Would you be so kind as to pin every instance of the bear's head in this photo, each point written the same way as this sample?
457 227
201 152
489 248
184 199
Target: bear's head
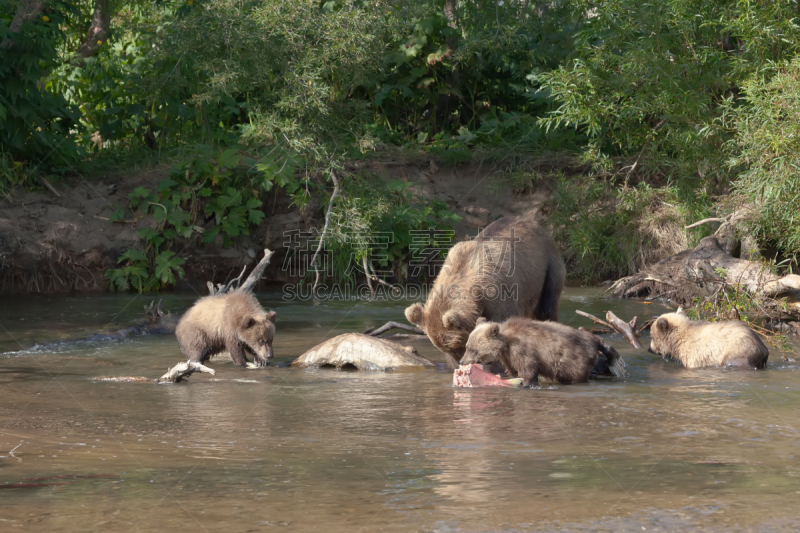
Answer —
661 332
257 332
448 331
485 344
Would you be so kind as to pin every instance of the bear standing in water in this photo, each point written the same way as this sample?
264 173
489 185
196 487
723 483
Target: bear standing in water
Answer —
233 322
700 344
512 268
529 349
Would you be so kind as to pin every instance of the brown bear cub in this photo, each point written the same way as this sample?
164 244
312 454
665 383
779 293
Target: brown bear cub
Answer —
233 322
529 349
699 344
513 268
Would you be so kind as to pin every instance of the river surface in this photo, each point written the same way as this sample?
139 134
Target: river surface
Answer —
666 449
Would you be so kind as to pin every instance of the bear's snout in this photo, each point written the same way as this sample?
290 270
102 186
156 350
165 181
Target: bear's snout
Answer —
649 349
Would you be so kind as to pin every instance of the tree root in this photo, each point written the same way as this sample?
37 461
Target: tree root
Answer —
712 266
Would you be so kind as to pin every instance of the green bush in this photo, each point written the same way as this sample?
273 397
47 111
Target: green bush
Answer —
610 232
376 220
211 195
766 152
35 122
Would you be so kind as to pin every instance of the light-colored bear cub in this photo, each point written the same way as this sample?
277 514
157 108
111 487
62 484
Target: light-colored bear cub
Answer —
699 344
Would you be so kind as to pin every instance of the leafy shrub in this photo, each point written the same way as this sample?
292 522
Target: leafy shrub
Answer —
651 78
766 151
608 232
35 122
376 220
211 194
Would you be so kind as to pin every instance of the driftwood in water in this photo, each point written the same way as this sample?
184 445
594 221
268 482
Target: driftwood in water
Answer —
614 323
362 352
374 332
249 283
183 370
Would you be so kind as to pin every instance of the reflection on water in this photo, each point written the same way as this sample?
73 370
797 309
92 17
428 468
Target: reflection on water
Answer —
665 449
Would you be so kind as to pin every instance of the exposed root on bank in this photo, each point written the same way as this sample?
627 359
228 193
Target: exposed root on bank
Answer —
721 274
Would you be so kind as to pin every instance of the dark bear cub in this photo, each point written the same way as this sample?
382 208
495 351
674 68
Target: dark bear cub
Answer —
529 349
233 322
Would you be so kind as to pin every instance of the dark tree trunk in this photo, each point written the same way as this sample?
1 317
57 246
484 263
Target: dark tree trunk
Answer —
26 10
99 31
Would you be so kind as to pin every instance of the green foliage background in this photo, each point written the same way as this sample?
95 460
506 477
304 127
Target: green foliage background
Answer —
676 109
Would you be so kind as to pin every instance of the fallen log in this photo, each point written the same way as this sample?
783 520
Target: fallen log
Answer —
708 269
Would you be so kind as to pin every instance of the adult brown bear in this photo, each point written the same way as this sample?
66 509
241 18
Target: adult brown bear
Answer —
233 322
699 344
512 268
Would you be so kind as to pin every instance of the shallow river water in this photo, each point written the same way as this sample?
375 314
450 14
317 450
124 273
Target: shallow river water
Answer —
248 450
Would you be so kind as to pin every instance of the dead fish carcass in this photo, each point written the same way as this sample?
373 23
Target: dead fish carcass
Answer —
356 350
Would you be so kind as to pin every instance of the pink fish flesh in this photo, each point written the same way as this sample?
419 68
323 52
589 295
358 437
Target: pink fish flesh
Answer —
475 376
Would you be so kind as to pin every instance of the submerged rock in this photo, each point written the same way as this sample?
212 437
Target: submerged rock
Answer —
362 352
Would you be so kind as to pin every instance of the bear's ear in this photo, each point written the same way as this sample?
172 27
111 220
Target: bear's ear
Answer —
451 320
494 330
415 315
271 316
248 322
481 320
680 311
662 324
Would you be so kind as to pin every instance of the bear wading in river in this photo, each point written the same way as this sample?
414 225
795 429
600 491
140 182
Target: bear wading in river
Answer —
699 344
529 349
233 322
512 268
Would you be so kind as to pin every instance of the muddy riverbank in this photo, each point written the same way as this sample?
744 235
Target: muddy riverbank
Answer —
64 244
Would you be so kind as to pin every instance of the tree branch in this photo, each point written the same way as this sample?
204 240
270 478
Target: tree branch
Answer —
184 370
614 323
705 221
324 230
393 325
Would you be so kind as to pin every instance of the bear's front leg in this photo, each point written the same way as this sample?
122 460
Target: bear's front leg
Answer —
529 379
238 354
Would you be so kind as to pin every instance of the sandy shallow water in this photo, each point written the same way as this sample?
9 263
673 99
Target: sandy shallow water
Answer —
665 449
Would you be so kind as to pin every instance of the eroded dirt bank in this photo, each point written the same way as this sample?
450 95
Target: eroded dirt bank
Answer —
66 243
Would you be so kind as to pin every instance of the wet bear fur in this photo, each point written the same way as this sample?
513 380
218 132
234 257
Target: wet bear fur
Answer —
529 349
234 322
466 288
699 344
